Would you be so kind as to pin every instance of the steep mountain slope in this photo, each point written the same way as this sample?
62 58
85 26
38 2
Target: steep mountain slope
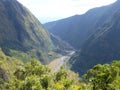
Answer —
62 47
76 29
102 47
20 30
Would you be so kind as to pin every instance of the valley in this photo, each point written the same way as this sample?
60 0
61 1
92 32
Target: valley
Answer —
56 64
94 34
81 52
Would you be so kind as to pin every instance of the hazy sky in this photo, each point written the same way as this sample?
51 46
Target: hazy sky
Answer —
50 10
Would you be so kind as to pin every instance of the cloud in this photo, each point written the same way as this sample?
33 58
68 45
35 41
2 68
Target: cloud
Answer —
47 10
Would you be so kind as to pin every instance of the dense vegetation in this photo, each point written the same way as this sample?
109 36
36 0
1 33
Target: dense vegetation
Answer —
35 76
23 39
104 77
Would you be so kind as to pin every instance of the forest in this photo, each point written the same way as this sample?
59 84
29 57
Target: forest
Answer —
35 76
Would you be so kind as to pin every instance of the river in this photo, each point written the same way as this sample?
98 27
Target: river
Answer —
63 60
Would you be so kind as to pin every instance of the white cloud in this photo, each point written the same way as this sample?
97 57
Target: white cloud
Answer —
47 10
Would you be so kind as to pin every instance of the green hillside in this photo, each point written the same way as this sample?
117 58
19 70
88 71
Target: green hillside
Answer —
21 31
14 75
76 29
25 46
8 65
102 47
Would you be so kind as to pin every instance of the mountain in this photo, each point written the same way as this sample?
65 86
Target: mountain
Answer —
62 47
103 46
21 31
76 29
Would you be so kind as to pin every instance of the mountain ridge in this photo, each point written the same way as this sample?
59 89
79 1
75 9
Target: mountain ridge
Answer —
92 35
20 30
102 46
69 27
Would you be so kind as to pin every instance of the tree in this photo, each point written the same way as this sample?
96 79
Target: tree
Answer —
103 76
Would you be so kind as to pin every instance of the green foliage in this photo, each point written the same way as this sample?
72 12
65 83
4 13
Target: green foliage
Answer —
104 77
35 76
62 74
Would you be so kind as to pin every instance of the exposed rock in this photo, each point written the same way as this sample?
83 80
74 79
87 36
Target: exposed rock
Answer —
3 75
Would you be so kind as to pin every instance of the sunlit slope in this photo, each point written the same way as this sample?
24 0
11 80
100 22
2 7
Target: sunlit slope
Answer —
20 30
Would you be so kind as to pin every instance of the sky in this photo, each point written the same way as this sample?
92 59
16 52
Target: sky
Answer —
51 10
